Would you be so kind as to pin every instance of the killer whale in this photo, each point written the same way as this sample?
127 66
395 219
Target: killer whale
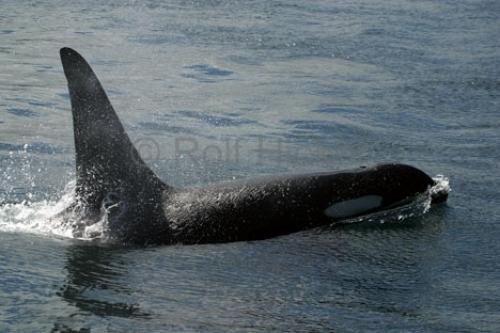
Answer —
112 181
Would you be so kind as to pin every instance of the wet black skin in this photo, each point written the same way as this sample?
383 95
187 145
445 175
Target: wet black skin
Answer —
112 179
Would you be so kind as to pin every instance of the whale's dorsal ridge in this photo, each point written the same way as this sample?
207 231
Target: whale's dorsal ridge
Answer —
106 160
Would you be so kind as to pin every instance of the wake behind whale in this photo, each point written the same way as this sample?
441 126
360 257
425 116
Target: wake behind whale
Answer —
117 197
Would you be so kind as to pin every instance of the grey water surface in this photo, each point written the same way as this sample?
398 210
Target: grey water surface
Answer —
220 90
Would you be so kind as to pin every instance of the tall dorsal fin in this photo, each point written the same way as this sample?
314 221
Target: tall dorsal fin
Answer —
106 160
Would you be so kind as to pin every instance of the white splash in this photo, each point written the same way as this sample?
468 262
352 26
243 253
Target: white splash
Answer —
37 217
50 218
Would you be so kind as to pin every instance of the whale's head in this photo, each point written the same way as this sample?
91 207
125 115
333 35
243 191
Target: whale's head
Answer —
377 188
401 181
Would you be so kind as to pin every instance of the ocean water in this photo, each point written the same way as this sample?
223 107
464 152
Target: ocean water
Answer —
221 90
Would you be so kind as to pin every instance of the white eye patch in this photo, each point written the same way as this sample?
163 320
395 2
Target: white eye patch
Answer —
353 207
